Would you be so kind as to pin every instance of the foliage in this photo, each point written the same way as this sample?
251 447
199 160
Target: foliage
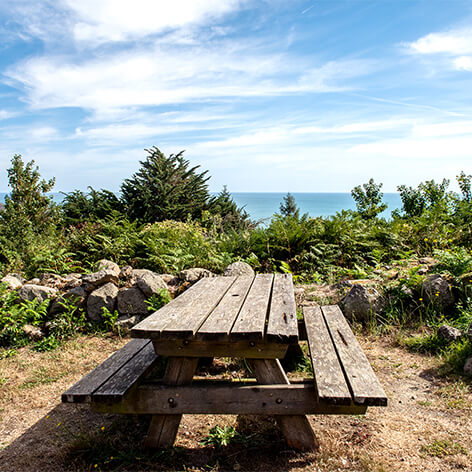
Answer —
288 207
224 214
78 206
165 188
368 199
158 301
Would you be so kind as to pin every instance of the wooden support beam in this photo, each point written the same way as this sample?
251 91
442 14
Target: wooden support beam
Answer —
163 428
295 428
229 398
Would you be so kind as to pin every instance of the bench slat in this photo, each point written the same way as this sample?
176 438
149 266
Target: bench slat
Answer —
364 385
220 321
250 323
124 379
329 377
194 314
153 325
282 325
83 389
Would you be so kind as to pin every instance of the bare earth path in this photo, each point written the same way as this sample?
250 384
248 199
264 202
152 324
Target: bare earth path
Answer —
426 427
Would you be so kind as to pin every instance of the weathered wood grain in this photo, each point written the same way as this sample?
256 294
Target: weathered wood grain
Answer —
282 325
83 389
192 315
364 385
251 321
295 428
163 428
153 325
233 398
329 377
197 348
220 321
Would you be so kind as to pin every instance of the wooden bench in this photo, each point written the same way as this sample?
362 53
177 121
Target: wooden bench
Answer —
343 380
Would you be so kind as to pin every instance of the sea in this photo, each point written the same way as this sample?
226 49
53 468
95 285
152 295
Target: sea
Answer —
261 206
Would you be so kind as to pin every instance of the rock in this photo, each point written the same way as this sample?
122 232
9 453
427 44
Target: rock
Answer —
127 322
30 292
449 333
131 301
105 264
422 271
169 279
33 332
126 272
361 302
195 274
58 282
427 260
469 332
34 281
299 294
75 296
437 289
102 277
468 366
103 297
150 284
11 281
239 268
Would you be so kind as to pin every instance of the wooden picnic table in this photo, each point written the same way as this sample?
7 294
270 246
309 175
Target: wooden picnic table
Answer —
250 317
246 317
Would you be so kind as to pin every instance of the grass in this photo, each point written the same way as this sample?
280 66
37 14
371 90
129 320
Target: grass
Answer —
443 447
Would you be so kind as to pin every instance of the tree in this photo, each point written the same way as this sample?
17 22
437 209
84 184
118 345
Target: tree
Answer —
165 188
368 199
78 206
226 208
27 209
288 207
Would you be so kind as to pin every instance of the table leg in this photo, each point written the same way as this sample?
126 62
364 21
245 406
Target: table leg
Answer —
296 428
163 428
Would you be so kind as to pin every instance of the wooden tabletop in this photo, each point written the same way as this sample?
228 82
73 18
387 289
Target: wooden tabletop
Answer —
260 308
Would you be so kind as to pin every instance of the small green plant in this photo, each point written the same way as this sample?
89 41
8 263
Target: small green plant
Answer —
443 447
108 320
158 300
220 436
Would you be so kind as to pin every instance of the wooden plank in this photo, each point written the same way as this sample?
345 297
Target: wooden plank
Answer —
125 378
229 398
152 326
83 389
364 385
282 325
295 428
192 315
163 428
251 321
327 371
197 348
220 321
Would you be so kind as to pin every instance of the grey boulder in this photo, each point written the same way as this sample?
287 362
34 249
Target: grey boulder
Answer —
449 333
361 303
438 290
75 296
195 274
239 268
12 281
102 277
33 332
131 301
150 284
105 264
103 297
30 292
468 366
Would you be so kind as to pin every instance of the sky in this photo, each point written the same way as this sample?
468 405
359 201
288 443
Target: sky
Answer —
267 95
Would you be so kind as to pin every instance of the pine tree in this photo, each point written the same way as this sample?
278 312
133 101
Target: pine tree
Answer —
165 188
288 207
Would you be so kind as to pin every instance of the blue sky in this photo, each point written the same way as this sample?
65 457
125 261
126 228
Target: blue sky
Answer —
299 96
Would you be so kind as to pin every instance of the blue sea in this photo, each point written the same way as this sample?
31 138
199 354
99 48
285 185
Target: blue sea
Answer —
263 205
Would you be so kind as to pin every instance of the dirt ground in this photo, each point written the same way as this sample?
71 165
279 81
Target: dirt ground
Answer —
426 427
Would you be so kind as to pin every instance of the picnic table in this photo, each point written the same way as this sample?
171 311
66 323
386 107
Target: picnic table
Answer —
254 318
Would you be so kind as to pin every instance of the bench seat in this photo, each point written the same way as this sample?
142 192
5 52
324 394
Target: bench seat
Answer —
116 376
341 371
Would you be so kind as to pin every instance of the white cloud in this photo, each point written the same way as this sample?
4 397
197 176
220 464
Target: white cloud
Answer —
454 44
118 20
5 114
